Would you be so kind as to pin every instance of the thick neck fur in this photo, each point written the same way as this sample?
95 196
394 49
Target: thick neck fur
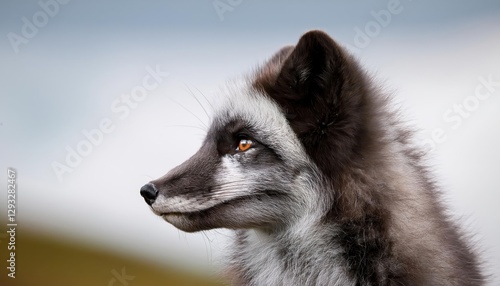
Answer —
305 257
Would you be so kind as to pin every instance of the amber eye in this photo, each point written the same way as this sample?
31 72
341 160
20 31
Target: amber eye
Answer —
244 144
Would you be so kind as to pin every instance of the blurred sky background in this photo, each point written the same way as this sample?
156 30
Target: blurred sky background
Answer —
82 56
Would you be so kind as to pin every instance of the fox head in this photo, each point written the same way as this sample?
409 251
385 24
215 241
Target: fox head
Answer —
275 146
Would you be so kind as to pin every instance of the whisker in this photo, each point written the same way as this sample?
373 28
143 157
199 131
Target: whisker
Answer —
207 245
187 126
222 233
192 113
149 177
206 99
221 194
197 100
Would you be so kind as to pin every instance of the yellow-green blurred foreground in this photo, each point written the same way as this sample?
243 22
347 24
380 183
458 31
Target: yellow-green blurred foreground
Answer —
47 261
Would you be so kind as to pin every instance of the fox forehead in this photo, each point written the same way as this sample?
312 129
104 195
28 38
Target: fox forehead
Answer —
240 102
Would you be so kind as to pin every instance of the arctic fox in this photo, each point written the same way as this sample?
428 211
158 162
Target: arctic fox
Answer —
320 180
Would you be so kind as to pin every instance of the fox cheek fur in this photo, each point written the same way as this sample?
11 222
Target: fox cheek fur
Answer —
331 191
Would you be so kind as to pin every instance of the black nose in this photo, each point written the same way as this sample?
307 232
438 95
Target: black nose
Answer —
149 193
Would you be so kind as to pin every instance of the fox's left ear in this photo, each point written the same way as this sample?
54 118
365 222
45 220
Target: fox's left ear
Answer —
313 67
316 75
321 91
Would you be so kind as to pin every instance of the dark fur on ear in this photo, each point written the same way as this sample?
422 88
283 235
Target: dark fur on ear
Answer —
321 91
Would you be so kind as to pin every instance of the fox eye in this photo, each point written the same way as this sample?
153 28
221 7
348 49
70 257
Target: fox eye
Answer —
244 145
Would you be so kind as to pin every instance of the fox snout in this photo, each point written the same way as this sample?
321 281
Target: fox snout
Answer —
185 187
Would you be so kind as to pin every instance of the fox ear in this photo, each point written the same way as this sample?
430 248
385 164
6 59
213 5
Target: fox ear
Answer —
321 91
312 69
